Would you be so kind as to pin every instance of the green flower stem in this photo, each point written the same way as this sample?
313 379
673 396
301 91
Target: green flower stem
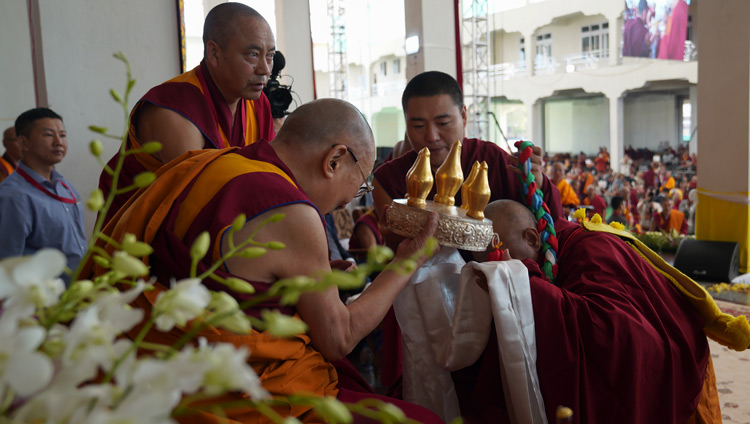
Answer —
7 401
116 173
136 343
236 249
266 410
155 346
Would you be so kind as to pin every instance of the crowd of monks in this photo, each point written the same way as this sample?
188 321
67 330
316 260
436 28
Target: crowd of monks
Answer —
617 342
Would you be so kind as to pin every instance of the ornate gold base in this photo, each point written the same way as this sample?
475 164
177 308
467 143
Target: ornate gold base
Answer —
455 229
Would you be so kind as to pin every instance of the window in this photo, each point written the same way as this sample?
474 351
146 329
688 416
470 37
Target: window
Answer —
384 68
544 46
523 52
397 66
595 40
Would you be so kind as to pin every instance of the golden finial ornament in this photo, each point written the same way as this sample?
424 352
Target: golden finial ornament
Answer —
419 180
467 183
478 193
449 176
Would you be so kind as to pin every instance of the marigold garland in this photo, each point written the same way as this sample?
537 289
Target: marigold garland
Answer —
533 199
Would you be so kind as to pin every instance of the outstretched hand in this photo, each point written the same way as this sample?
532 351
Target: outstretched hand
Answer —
408 247
536 165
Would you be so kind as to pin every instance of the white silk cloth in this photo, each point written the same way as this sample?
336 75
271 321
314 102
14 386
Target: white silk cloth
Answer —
445 320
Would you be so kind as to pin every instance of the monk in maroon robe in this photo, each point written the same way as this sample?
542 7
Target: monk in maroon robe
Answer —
305 170
616 341
435 118
218 104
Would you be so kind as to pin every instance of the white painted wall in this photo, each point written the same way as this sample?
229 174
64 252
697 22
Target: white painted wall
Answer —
650 119
17 88
78 39
576 125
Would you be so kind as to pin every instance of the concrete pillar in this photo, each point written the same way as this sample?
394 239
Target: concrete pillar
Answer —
616 130
433 22
294 40
724 135
615 38
535 122
693 147
530 46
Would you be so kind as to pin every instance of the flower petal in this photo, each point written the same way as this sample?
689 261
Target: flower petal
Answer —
28 373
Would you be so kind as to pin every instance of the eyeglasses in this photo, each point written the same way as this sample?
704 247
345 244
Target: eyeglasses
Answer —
366 187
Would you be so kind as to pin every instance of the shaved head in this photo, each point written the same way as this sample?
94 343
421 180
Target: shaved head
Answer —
326 122
220 24
513 222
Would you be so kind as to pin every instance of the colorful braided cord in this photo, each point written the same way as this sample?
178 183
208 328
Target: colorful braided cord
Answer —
533 198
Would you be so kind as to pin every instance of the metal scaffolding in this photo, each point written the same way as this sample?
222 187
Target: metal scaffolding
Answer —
476 64
337 50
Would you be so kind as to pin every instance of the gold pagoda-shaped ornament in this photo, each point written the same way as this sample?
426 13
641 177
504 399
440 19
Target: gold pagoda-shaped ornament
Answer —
467 183
449 176
457 227
419 180
478 193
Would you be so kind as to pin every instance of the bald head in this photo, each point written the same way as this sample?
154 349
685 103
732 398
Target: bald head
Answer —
221 22
558 172
325 122
12 145
515 225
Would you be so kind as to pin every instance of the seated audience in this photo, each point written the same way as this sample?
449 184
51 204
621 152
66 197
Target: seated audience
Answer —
38 207
668 219
9 159
318 162
619 209
568 197
593 199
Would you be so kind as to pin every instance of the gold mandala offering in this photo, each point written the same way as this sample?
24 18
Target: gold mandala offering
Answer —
463 227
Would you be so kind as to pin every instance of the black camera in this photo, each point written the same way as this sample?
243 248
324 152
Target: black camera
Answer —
280 96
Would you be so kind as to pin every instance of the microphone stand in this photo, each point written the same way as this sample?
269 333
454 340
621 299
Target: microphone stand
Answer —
497 124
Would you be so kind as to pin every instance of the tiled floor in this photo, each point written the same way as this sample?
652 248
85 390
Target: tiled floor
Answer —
732 374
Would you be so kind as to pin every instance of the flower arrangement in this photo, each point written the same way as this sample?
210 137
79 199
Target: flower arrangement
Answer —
659 241
64 356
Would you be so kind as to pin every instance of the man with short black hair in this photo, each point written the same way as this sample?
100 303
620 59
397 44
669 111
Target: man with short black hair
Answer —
38 207
218 104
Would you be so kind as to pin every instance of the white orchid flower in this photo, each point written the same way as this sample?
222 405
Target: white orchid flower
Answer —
228 370
186 300
90 343
31 282
23 369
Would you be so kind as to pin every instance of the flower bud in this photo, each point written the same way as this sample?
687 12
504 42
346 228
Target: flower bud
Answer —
101 261
277 217
115 95
239 222
251 252
276 245
222 302
144 178
96 201
239 285
98 129
281 325
393 413
128 265
79 289
200 246
333 410
95 147
151 147
430 245
409 265
379 254
134 247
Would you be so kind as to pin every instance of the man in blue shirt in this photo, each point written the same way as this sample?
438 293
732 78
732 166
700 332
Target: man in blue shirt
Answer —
38 207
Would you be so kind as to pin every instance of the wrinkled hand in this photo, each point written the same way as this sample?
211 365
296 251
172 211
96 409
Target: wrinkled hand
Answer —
536 165
409 247
343 265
